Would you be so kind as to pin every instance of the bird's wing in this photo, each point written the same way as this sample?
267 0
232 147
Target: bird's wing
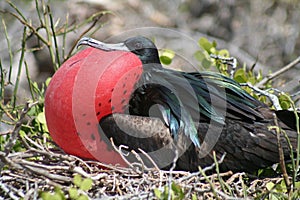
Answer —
159 97
185 99
239 104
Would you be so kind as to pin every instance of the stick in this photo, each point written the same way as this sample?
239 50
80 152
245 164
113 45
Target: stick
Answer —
277 73
281 156
273 98
15 133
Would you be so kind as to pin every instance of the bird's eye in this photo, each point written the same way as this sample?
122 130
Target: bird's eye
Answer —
138 45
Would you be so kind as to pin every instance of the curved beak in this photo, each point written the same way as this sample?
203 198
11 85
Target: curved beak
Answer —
101 45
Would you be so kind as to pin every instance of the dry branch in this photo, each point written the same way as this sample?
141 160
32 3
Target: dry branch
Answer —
279 72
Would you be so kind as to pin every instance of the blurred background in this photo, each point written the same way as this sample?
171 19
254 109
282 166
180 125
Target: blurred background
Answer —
254 31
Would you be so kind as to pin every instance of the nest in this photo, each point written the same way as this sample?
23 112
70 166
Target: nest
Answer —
38 169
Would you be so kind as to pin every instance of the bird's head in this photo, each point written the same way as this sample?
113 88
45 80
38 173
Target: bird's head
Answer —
141 46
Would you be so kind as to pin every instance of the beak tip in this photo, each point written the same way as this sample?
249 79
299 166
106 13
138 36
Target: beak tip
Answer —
83 41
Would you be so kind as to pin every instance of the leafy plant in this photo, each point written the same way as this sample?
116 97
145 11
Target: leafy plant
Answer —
166 56
58 194
203 56
27 130
176 192
240 75
76 192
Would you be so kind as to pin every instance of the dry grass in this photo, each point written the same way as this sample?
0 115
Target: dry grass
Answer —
26 174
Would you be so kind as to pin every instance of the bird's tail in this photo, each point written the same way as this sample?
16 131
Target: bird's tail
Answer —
289 118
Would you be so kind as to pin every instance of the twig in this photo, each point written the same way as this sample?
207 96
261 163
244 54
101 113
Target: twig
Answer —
228 61
295 94
170 175
140 162
212 187
32 142
205 169
281 155
8 191
52 26
121 153
277 73
273 98
8 161
234 176
5 133
118 169
46 173
218 171
297 123
15 132
96 17
149 158
26 24
10 58
214 164
6 112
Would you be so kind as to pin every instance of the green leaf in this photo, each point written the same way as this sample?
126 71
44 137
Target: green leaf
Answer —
165 193
206 64
261 98
270 186
275 197
194 197
32 111
199 55
57 196
73 193
177 190
22 133
86 184
214 44
35 86
224 53
240 76
297 184
259 75
281 187
252 80
157 193
284 105
41 118
59 193
47 81
284 102
82 197
46 195
205 44
167 56
168 53
165 60
77 180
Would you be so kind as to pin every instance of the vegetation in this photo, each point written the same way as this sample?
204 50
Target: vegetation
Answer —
32 166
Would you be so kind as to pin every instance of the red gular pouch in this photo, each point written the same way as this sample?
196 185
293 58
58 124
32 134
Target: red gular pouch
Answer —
90 85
